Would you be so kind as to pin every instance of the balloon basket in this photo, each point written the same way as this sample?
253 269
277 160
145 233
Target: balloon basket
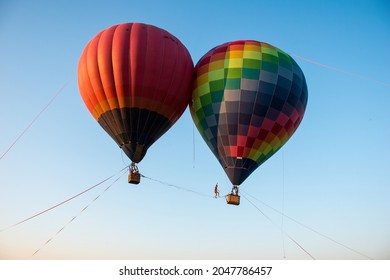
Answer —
233 199
134 178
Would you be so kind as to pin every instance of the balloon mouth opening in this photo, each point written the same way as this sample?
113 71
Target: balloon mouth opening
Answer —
238 169
134 151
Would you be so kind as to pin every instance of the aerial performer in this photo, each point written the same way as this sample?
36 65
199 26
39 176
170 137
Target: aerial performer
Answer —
135 79
248 99
216 191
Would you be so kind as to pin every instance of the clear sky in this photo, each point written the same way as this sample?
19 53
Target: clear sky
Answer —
332 176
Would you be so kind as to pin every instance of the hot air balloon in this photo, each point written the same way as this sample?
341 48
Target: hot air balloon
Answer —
248 99
135 80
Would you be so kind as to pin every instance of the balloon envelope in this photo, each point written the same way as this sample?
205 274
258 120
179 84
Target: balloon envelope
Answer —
135 80
248 99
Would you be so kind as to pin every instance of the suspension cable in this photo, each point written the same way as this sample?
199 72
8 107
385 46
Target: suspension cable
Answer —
61 203
35 119
340 70
176 186
74 218
311 229
279 212
283 200
272 222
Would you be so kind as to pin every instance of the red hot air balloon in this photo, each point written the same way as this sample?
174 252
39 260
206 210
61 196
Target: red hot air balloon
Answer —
135 80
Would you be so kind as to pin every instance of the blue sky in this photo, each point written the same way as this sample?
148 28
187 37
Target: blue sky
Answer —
331 176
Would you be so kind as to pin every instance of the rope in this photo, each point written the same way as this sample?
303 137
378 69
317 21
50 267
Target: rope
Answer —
279 212
177 187
341 71
283 200
193 145
74 218
34 119
269 219
123 160
61 203
311 229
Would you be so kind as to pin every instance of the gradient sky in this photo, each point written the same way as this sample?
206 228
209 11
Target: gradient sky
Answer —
332 175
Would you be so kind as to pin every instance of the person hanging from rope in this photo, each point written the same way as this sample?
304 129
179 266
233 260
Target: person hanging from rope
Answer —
216 191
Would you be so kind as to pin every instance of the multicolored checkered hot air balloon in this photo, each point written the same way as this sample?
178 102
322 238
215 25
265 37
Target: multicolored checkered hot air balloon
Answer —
136 81
248 99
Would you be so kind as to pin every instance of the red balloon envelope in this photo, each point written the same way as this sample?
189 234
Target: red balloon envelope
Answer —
135 79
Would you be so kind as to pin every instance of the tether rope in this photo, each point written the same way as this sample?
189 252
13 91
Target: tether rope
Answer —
177 187
74 218
269 219
35 119
311 229
61 203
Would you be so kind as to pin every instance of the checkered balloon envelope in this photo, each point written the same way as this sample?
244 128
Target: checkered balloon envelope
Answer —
248 99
